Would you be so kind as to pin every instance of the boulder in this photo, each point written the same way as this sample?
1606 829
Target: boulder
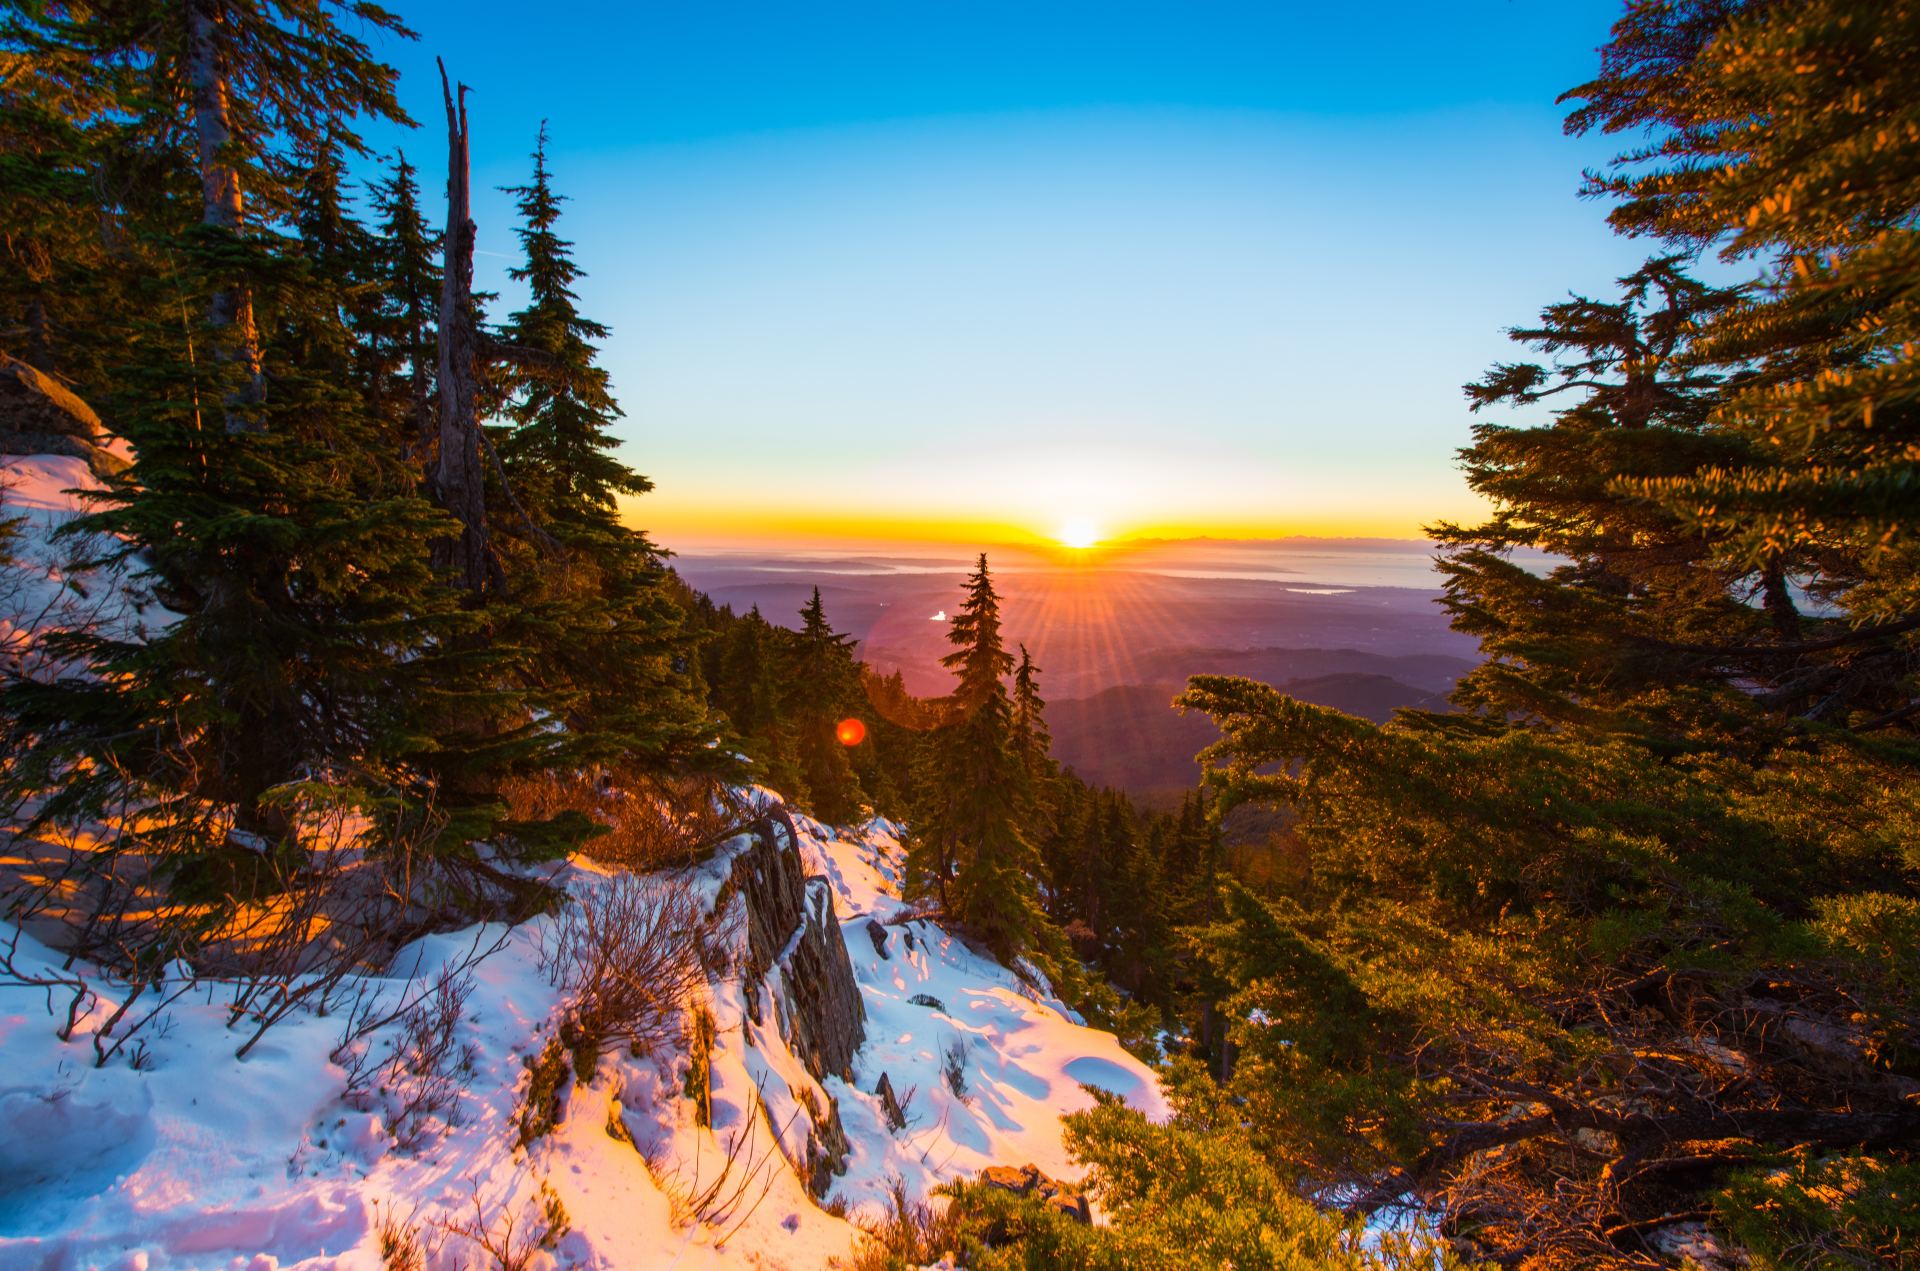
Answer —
41 416
827 1147
33 402
1028 1180
792 932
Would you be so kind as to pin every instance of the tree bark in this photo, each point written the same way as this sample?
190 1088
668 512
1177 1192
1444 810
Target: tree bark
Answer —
1778 601
458 481
221 206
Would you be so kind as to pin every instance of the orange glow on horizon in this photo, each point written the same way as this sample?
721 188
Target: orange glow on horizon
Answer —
752 527
845 523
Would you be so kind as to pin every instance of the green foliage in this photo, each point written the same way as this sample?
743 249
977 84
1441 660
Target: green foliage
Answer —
823 685
1192 1193
590 594
401 329
1833 1212
784 694
261 504
970 847
546 1084
1773 137
1482 907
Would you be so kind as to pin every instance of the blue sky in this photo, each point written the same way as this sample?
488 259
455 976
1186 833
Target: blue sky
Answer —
976 270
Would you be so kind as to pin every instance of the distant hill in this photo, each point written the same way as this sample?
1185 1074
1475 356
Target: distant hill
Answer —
1433 672
1132 738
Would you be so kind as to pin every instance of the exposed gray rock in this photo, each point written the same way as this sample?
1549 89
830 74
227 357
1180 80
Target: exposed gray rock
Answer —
792 931
41 416
890 1104
33 402
827 1146
878 934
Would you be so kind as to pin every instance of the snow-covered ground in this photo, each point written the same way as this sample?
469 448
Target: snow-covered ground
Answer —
47 587
201 1160
1027 1057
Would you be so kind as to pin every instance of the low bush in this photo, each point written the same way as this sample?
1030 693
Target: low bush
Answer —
627 956
645 821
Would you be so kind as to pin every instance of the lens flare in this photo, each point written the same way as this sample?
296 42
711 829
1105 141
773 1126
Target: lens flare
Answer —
851 732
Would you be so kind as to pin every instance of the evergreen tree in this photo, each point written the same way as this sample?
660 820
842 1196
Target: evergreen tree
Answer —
1032 743
1769 140
309 638
1595 636
589 595
67 263
748 689
1062 857
560 450
1677 800
338 247
823 681
406 269
1192 860
970 846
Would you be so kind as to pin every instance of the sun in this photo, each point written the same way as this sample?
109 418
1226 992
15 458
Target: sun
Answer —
1078 533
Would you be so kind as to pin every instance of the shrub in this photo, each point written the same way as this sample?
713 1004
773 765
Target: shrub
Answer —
418 1083
910 1234
953 1066
626 954
645 821
514 1240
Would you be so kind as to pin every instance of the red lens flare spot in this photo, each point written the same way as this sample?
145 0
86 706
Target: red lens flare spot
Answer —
851 732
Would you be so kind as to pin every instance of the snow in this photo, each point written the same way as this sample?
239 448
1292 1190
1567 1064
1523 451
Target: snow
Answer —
192 1158
204 1161
45 589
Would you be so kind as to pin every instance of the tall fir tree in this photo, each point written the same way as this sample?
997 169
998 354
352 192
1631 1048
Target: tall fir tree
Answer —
67 263
822 687
589 594
970 846
560 448
1598 635
406 270
261 504
1767 137
1031 740
747 687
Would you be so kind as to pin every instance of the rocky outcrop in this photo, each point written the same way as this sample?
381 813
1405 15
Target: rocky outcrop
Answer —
827 1147
1029 1181
792 931
39 416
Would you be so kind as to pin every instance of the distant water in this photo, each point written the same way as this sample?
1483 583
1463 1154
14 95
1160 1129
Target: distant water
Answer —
1316 566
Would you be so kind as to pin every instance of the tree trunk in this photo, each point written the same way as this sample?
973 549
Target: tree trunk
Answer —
39 344
458 481
1778 601
425 426
220 206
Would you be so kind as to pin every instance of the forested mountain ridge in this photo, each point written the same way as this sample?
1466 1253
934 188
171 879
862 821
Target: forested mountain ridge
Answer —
1133 738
